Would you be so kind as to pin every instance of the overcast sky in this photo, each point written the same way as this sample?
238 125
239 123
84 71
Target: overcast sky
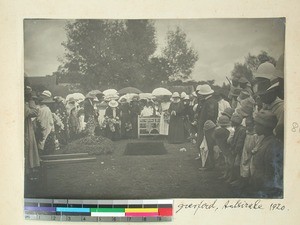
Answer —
219 42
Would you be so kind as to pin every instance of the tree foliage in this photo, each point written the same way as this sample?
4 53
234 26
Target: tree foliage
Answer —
108 53
180 56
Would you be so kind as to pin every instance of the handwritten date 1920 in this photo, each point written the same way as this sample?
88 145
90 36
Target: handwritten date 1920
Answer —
277 206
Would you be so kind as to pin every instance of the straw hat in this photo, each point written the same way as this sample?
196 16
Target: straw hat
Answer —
205 90
113 103
175 95
266 118
209 125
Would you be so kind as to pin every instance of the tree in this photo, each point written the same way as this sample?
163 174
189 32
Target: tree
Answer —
180 56
241 70
108 53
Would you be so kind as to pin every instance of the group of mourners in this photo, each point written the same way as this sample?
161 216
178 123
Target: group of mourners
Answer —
243 131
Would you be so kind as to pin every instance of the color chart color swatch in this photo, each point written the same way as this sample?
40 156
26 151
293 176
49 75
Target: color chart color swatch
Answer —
99 210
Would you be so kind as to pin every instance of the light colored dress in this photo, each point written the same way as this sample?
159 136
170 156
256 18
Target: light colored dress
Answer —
251 141
164 124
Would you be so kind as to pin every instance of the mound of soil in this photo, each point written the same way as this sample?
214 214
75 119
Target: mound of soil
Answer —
95 145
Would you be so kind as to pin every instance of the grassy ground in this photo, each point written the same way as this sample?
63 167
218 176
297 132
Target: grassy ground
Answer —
118 176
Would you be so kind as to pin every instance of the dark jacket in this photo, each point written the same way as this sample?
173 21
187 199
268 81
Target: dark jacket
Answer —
109 112
238 140
88 110
267 164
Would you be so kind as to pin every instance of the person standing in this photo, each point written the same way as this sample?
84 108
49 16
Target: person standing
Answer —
89 114
134 114
32 158
112 115
45 125
273 103
126 126
267 161
165 117
208 109
176 126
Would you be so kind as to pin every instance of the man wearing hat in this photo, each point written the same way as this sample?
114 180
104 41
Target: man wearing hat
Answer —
208 109
245 85
45 124
267 161
176 125
273 103
222 103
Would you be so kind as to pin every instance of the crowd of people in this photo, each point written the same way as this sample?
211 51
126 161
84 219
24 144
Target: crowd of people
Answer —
242 133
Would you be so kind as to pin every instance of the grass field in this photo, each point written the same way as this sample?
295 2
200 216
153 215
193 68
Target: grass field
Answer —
119 176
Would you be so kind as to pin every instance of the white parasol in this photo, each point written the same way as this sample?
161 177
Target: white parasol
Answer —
161 91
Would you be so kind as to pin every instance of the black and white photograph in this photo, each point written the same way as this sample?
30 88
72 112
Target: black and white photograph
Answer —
154 108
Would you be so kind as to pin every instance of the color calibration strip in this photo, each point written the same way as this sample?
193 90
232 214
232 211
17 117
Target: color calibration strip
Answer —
99 210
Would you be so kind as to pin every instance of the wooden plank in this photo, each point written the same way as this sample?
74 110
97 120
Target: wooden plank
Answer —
66 161
62 156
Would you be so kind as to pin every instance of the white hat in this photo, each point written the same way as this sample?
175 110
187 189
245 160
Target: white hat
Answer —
205 90
265 70
175 95
183 94
198 87
113 104
47 93
187 97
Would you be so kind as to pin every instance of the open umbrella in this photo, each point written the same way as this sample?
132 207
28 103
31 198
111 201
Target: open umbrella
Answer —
161 91
127 90
76 96
146 96
110 92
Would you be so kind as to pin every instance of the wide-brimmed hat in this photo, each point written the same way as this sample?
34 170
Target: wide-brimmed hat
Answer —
175 95
46 94
209 125
228 112
46 97
205 90
183 94
224 121
113 103
243 95
236 118
187 97
266 118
